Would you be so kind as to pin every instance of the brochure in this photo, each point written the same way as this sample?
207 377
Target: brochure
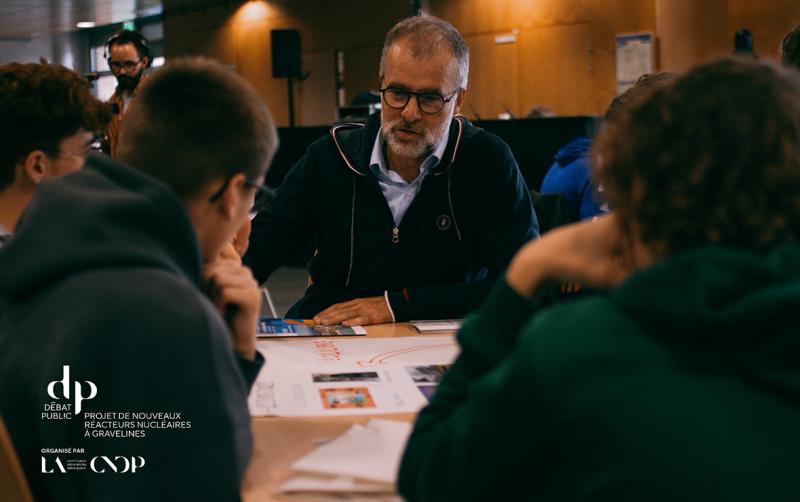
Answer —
271 327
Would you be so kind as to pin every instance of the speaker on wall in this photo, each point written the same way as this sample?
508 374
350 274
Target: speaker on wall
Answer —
285 53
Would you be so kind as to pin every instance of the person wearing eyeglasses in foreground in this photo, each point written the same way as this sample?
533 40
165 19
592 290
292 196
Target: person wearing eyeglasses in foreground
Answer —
413 214
128 56
119 272
49 118
679 383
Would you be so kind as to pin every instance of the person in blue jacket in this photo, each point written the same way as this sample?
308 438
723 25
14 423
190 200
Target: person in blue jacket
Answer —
571 175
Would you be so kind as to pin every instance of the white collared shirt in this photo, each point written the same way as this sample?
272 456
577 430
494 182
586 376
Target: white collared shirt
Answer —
398 193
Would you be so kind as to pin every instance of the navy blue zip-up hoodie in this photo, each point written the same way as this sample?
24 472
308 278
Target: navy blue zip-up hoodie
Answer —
470 216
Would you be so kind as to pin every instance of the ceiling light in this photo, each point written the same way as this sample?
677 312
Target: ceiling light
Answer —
85 24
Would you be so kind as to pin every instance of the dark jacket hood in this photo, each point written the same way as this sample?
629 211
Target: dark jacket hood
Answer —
743 305
575 149
354 142
106 215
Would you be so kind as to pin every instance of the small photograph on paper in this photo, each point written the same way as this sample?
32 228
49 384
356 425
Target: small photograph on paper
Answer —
427 391
365 376
346 397
427 374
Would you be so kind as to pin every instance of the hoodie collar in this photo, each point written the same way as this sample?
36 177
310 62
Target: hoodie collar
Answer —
717 293
379 164
354 143
105 216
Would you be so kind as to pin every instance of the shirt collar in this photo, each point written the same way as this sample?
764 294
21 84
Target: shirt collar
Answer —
378 163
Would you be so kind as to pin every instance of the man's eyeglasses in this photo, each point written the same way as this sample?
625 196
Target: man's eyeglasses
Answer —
264 195
127 65
428 102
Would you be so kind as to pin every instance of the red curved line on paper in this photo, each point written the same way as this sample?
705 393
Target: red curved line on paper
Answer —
381 358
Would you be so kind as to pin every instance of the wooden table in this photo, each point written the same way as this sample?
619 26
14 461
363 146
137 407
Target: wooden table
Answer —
279 441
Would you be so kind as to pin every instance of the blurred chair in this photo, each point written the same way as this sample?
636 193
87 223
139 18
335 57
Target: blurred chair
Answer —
13 486
552 210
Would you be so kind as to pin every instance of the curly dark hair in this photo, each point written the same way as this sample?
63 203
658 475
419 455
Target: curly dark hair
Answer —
40 106
713 158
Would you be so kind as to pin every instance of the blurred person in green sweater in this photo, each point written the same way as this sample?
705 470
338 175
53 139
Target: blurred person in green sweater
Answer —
682 380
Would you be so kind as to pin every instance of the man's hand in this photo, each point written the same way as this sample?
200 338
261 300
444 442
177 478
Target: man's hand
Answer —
358 312
233 290
594 253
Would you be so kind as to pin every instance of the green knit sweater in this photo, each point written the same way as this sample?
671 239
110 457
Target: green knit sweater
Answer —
683 383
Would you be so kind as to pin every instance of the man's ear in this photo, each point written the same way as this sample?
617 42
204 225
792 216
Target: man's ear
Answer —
34 166
459 101
232 196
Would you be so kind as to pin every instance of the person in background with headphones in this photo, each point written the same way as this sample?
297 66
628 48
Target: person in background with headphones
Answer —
128 55
48 116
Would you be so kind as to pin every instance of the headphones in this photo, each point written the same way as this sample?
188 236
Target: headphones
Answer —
130 37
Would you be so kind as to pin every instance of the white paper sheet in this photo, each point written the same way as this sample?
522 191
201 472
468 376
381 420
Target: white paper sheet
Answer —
365 459
369 452
322 377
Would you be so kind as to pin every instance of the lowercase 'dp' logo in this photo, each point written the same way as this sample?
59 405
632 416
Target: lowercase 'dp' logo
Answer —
65 390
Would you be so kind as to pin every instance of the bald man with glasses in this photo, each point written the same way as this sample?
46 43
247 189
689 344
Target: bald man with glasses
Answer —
413 214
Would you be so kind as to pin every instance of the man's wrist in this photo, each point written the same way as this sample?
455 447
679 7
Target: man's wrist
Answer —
398 305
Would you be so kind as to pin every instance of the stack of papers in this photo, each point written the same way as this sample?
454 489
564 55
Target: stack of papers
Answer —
364 460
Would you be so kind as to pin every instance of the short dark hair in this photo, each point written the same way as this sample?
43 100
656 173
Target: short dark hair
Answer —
130 37
426 34
713 158
194 121
40 106
790 48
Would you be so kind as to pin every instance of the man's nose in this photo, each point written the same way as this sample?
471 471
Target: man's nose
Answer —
411 112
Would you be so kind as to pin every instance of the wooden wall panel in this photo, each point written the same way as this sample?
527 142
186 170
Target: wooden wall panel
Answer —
317 94
769 23
361 70
576 35
691 32
608 19
563 57
474 17
548 77
493 83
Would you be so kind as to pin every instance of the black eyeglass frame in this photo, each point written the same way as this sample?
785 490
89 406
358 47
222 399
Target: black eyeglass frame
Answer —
417 95
263 194
119 65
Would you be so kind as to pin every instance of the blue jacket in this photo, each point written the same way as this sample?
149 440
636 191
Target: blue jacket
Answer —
570 176
471 214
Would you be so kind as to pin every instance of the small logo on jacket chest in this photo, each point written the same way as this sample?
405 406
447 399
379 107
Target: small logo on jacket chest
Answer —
443 222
